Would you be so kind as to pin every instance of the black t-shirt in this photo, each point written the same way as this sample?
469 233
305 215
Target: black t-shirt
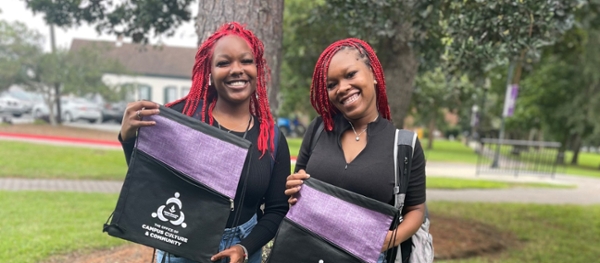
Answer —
261 184
371 173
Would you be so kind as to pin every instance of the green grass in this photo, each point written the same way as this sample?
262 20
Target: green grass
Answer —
457 184
588 164
449 151
28 160
455 151
36 225
549 233
294 144
42 224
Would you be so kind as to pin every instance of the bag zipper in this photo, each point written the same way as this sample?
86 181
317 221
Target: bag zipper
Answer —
189 181
323 239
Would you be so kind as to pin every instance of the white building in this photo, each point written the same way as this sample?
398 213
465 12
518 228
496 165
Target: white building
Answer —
160 74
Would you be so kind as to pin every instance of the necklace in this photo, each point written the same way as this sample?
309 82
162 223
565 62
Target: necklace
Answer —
358 134
245 132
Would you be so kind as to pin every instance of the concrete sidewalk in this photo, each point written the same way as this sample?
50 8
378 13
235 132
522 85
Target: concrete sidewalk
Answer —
86 186
586 191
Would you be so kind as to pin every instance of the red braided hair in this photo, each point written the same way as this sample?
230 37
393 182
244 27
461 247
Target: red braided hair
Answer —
318 89
201 91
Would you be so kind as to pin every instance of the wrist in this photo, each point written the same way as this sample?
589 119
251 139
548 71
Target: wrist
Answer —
245 251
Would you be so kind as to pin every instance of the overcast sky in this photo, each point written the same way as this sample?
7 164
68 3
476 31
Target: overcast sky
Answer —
15 10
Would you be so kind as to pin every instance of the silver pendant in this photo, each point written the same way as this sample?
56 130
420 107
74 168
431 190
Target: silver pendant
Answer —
357 138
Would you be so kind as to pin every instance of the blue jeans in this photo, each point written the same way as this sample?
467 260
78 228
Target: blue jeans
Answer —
231 236
381 258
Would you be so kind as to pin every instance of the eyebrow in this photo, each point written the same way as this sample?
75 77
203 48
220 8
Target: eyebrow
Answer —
346 69
242 55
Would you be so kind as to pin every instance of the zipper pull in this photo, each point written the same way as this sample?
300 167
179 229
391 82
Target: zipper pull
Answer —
231 202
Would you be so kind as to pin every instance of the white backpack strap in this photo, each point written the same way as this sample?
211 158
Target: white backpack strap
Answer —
403 137
396 183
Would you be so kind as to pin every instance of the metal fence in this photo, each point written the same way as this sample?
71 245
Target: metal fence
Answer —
515 157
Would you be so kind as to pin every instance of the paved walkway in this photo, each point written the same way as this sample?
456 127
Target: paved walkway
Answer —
587 189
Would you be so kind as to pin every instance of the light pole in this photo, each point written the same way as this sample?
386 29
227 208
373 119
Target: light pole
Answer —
474 121
501 135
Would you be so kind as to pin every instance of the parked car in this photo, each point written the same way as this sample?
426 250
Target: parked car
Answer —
291 127
72 109
28 99
113 111
12 105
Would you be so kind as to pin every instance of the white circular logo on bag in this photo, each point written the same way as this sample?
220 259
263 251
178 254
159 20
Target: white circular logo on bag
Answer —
171 211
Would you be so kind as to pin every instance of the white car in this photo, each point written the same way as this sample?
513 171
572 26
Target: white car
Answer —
10 105
73 109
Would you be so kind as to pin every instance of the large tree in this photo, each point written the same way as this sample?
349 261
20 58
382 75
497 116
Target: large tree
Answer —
142 20
469 36
437 91
18 46
263 17
78 72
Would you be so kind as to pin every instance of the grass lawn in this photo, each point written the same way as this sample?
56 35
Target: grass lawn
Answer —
294 144
449 151
36 225
49 223
455 151
455 183
29 160
549 233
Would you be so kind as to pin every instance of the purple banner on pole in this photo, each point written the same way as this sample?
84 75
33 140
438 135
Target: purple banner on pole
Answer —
512 91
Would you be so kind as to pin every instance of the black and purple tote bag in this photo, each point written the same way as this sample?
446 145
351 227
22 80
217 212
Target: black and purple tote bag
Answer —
329 224
180 186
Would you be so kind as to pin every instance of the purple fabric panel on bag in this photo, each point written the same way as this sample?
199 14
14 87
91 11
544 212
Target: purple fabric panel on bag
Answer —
215 163
356 229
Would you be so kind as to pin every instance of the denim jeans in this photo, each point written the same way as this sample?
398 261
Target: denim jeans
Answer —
381 258
231 236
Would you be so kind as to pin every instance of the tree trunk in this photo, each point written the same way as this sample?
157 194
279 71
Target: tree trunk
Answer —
263 17
400 68
576 145
431 130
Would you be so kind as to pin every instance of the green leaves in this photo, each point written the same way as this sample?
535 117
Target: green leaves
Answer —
136 19
18 45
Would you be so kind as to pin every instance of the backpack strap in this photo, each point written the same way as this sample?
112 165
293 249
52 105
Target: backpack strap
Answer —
315 137
276 142
402 163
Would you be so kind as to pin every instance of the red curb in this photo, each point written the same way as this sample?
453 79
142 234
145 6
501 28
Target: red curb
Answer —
60 139
71 140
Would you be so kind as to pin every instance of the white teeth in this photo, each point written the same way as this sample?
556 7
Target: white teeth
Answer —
237 84
351 99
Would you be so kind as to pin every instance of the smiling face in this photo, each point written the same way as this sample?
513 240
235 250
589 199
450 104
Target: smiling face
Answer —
351 85
233 70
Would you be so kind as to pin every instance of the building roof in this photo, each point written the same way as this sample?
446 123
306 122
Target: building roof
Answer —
165 61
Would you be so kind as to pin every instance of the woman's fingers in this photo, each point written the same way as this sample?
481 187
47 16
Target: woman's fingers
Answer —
292 191
133 117
292 200
141 113
293 183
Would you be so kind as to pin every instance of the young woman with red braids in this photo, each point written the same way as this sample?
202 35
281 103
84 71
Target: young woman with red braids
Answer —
229 92
355 151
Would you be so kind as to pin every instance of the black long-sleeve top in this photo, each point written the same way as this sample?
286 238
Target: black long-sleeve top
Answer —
371 173
261 184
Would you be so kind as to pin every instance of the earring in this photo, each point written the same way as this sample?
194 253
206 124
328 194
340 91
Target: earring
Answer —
209 81
375 81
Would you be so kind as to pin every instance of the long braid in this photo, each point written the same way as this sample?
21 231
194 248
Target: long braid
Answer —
201 91
318 90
